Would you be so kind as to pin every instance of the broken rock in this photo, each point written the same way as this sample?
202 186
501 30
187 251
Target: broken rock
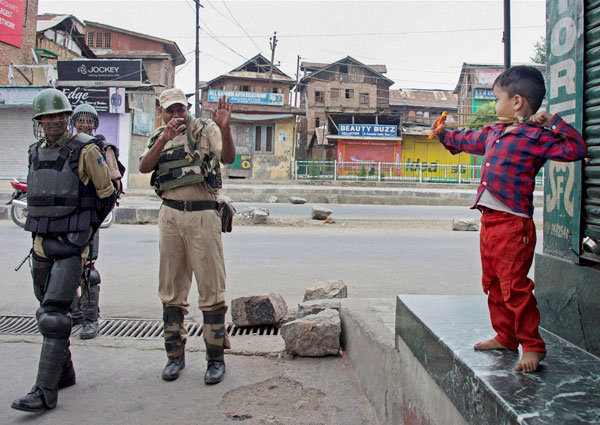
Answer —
320 213
258 310
465 224
317 306
326 290
297 200
314 335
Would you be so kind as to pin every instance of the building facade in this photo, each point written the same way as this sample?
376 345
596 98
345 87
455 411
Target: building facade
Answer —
263 122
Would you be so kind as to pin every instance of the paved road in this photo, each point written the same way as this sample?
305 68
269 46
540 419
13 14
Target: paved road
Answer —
374 262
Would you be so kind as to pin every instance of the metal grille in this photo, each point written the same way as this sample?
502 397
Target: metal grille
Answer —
129 328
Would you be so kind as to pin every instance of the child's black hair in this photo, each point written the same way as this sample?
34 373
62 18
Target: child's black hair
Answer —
526 81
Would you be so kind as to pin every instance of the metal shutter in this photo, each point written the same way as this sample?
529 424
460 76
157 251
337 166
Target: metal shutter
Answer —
591 170
16 134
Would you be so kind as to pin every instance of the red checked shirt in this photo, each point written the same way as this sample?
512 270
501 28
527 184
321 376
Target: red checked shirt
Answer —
513 159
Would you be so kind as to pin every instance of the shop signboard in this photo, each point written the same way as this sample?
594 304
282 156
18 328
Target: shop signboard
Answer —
11 21
247 97
562 180
18 95
100 70
368 130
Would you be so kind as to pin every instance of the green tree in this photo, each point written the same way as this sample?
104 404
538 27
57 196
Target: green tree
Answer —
488 108
540 51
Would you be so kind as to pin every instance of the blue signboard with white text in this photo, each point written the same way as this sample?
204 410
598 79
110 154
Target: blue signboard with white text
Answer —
368 130
247 97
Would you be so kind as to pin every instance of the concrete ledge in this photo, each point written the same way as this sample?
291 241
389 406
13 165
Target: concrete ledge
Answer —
392 379
441 330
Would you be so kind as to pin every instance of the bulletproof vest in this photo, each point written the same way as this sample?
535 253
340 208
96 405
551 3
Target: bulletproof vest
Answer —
57 199
176 167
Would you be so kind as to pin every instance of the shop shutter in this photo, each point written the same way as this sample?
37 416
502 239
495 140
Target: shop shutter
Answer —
591 170
15 137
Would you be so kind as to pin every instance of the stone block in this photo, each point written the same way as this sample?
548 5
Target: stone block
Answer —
320 213
317 306
315 335
326 290
258 310
297 200
465 224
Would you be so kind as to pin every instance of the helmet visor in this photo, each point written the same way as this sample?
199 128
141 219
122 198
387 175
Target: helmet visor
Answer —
84 122
51 126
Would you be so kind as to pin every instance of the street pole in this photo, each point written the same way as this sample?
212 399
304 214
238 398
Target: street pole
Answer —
297 80
197 86
506 36
273 45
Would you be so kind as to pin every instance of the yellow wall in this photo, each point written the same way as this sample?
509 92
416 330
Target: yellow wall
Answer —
276 166
417 149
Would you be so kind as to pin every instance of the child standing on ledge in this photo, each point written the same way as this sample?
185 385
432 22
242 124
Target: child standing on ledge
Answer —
513 154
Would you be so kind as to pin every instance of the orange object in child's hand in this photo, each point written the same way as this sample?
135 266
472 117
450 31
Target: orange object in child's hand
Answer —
438 126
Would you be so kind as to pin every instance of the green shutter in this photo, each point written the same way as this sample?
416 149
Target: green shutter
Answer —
591 169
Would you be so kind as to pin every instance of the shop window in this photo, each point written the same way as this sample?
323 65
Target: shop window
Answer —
335 94
364 98
263 138
319 97
349 94
107 39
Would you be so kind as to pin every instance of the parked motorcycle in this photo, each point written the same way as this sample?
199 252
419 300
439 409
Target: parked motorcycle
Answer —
18 206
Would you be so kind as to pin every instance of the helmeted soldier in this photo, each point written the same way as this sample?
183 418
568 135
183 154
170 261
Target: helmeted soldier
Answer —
184 156
85 308
69 194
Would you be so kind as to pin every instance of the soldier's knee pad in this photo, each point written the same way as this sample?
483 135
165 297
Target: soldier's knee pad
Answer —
40 272
53 322
172 314
64 281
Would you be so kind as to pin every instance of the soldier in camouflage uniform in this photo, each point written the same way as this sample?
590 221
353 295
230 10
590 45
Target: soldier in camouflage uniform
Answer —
184 157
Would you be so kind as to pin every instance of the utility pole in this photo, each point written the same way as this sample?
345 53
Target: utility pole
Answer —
273 41
297 80
506 35
197 86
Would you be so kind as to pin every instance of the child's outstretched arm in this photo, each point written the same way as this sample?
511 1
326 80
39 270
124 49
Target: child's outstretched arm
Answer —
564 143
468 141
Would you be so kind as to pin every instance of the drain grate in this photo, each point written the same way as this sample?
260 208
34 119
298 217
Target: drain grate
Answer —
129 328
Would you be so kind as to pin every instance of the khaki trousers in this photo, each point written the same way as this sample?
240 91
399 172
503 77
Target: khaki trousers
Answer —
190 242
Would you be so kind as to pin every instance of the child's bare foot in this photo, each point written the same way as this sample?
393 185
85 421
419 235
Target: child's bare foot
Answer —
529 361
490 344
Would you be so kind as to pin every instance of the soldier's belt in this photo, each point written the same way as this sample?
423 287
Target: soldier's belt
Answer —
191 205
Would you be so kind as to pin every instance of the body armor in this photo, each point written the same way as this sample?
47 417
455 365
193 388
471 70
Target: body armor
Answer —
185 161
58 202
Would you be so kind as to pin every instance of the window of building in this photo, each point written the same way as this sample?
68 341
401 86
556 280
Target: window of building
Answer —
99 39
90 39
349 94
317 122
335 94
276 90
343 69
263 138
364 98
107 38
245 88
319 97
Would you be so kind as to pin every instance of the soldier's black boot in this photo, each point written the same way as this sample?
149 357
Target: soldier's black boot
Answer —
89 308
67 376
175 337
44 394
173 367
216 340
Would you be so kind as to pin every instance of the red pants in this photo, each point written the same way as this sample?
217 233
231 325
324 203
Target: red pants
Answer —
507 245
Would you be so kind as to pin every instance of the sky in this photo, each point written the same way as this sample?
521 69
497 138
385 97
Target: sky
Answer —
422 43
